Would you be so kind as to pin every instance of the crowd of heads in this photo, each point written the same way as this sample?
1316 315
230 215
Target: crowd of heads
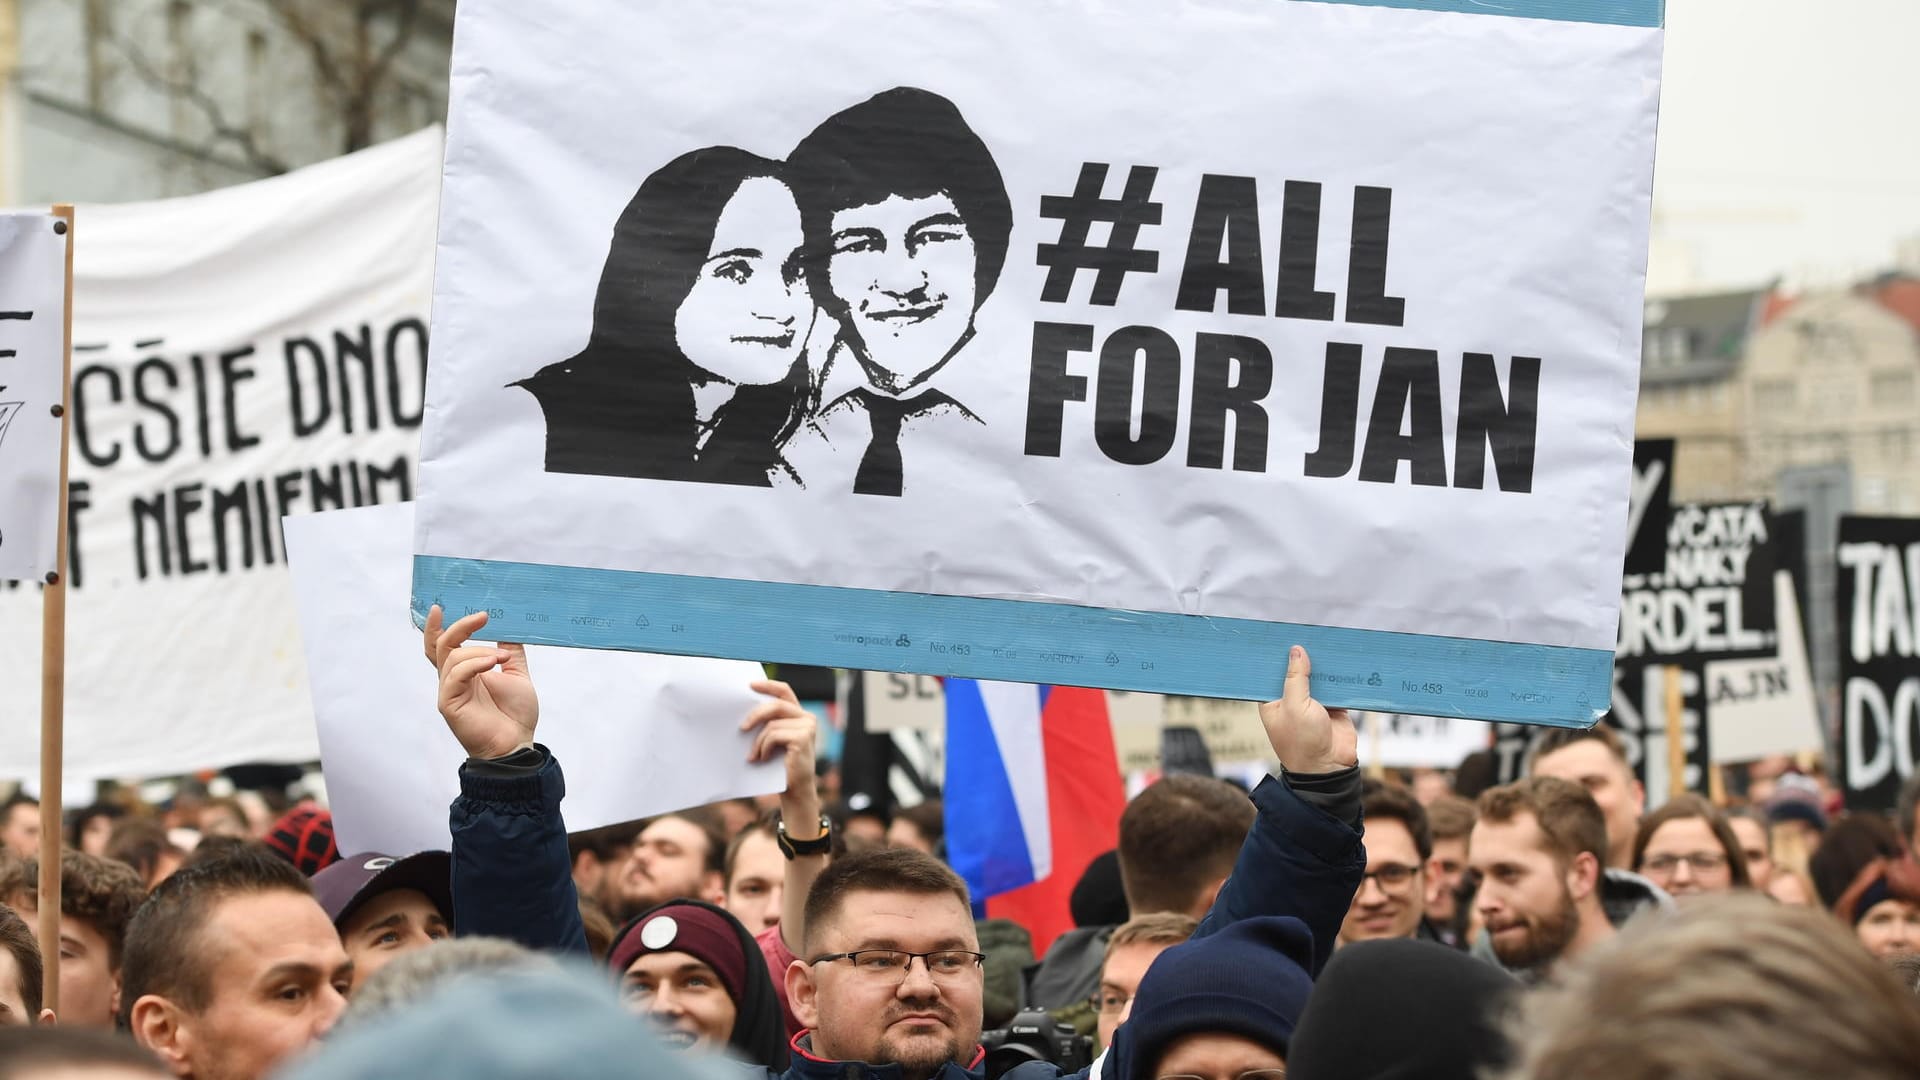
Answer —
1553 926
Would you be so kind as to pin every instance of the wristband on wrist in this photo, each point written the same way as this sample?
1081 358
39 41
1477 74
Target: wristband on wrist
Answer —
793 849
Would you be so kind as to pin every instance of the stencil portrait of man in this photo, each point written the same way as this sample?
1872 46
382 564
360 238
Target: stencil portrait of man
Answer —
907 221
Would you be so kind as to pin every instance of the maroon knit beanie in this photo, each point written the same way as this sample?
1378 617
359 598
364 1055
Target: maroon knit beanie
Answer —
698 931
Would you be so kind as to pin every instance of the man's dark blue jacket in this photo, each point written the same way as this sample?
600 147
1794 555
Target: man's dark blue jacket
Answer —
513 876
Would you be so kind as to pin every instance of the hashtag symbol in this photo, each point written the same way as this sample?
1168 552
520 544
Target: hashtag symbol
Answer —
1077 213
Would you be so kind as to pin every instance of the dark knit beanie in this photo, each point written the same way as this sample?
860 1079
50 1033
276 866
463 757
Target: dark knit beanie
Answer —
1250 980
1443 1010
686 928
1099 898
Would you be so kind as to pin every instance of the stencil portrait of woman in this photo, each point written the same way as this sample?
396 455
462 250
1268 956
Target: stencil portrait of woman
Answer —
696 368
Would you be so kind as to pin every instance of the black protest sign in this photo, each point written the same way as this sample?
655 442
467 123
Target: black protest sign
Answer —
1650 506
1878 589
1713 599
1639 715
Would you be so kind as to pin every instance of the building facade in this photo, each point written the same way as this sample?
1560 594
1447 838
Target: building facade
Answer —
1755 389
124 100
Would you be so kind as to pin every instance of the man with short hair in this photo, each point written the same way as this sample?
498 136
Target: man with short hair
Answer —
1451 819
598 856
755 874
678 856
1596 759
891 977
911 218
232 968
1539 849
1132 949
385 907
1391 902
1178 842
97 900
891 970
21 973
20 825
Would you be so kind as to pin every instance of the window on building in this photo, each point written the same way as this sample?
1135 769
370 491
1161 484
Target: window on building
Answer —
1873 493
1896 444
1774 396
1834 394
1892 389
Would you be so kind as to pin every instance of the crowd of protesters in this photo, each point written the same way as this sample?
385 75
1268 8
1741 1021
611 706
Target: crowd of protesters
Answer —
1325 924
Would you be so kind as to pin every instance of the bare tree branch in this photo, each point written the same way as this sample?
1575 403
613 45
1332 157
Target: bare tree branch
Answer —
240 136
315 40
374 74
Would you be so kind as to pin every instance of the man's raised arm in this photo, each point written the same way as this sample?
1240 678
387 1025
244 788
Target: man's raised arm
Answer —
785 727
1303 856
512 874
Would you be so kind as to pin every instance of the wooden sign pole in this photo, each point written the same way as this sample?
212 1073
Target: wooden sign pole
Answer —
53 666
1676 734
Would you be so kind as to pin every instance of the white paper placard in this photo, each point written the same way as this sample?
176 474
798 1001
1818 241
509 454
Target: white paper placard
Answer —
1758 708
636 734
32 312
1117 344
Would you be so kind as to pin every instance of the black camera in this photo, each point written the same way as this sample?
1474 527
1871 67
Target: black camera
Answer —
1033 1036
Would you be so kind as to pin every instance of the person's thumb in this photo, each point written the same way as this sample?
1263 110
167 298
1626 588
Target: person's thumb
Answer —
1299 675
516 658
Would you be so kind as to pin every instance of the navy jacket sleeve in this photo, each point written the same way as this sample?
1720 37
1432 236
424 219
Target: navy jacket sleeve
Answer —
1298 860
512 875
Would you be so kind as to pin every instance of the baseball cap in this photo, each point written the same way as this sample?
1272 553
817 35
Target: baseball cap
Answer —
348 884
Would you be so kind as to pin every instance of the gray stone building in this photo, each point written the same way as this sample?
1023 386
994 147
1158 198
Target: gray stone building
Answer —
121 100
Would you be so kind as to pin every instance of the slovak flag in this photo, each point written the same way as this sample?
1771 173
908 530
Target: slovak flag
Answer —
1033 794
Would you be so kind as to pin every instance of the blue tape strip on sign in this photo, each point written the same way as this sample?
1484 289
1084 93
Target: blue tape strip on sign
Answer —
1014 640
1613 12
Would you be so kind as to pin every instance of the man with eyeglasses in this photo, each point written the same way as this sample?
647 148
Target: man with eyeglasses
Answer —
1391 902
1132 949
889 982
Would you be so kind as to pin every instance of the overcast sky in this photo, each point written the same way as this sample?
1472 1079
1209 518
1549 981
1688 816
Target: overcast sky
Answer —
1789 141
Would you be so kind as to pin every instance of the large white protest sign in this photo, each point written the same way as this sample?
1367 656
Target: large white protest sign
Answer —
638 734
1116 344
33 290
238 356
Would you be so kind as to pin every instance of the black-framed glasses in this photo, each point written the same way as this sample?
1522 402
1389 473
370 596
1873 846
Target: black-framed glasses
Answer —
881 964
1392 877
1250 1074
